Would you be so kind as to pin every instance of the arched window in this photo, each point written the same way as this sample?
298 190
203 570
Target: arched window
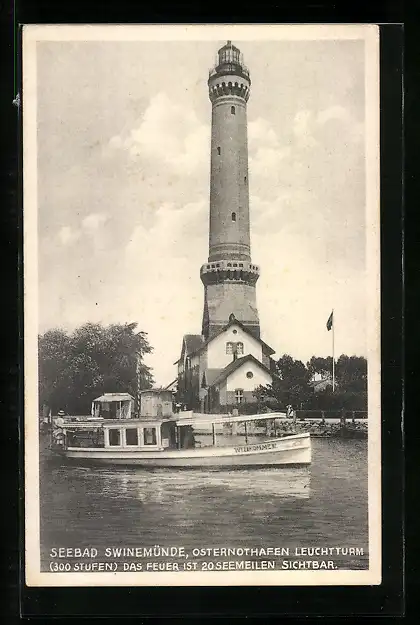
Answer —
232 110
239 348
233 216
229 348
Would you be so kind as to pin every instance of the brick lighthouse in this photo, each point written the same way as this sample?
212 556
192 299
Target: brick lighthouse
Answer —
229 276
221 367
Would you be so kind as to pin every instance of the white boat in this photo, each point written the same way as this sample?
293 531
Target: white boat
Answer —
170 441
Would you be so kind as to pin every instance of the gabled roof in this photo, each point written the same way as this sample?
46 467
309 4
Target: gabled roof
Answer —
233 321
110 397
235 364
191 343
211 375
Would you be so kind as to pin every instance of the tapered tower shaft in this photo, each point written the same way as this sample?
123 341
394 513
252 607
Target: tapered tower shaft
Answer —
229 276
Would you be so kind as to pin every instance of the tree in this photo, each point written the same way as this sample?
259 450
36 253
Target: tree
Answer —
322 366
351 373
290 385
75 368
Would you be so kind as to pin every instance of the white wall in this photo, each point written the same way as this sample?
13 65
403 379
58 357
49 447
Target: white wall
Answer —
238 378
216 350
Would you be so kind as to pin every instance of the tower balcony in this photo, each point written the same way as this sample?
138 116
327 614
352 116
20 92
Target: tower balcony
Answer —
230 270
235 69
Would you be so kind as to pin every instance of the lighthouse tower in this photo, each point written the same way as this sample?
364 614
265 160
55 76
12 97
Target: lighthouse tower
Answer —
229 276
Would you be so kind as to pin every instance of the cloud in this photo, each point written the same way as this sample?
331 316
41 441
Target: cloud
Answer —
353 129
168 133
67 235
93 221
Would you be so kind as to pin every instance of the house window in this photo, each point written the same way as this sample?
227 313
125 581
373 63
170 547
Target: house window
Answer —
249 374
219 151
131 436
233 216
114 437
149 435
229 348
239 348
239 396
232 110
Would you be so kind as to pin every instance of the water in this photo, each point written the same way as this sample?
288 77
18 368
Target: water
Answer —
324 505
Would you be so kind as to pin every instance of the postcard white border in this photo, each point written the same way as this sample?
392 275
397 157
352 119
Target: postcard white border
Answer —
31 35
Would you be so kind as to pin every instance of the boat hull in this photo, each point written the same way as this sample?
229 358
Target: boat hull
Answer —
287 451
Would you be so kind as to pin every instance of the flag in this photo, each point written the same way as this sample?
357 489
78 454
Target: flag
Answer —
330 321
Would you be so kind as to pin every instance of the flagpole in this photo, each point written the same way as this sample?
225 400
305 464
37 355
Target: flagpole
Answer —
333 361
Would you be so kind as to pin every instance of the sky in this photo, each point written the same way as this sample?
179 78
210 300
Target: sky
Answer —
123 137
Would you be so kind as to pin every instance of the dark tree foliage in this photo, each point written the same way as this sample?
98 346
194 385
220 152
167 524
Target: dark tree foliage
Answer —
290 385
74 368
293 384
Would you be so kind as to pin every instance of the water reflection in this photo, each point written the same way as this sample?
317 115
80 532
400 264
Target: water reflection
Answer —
166 486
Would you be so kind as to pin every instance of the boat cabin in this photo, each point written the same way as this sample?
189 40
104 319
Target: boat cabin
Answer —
113 406
117 427
156 403
141 433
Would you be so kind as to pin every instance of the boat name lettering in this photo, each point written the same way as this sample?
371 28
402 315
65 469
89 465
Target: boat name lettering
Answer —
261 447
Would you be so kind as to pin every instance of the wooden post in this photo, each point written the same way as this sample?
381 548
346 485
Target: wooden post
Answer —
213 430
178 435
246 432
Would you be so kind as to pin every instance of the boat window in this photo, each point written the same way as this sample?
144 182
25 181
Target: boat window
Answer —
114 437
131 436
239 395
149 435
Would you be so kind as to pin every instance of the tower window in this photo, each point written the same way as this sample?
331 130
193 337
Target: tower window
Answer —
239 395
233 216
219 151
232 110
245 178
